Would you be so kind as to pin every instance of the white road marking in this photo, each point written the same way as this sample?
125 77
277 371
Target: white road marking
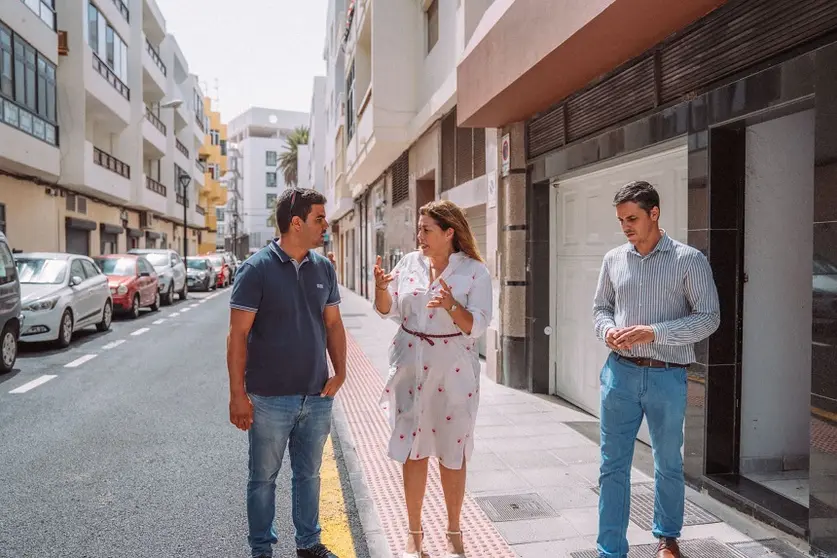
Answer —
174 314
140 331
113 345
33 384
158 322
185 309
79 361
194 305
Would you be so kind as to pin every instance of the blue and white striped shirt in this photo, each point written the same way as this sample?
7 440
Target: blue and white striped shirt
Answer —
671 289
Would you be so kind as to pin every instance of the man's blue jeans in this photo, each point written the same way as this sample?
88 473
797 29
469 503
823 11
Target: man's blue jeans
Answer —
628 392
302 423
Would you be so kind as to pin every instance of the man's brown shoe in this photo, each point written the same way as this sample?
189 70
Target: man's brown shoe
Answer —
668 548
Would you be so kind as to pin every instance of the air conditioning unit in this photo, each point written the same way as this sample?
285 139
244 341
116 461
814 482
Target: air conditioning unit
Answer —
63 44
146 220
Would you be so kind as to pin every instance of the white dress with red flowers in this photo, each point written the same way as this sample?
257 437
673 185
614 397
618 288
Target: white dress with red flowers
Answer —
432 392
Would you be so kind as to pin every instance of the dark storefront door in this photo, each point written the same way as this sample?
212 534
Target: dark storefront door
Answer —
78 241
108 243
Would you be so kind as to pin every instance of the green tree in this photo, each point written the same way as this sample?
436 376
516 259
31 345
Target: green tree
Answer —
288 158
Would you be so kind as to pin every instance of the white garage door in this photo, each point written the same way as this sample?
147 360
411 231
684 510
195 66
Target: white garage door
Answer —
584 230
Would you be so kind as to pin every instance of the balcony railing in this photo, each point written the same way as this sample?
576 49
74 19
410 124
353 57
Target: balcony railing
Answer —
154 120
18 117
155 186
45 9
105 71
111 163
201 165
180 199
182 148
199 210
123 9
155 56
200 123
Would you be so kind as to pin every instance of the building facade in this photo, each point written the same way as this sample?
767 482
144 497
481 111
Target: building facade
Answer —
728 109
259 136
87 148
397 141
213 155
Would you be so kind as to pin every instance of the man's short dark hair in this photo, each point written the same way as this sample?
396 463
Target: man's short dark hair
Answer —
296 202
639 192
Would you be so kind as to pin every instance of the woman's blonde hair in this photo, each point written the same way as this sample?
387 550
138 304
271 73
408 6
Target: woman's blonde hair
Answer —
448 215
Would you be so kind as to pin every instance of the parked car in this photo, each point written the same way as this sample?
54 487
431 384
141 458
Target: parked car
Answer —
11 317
61 294
201 274
171 272
133 282
219 262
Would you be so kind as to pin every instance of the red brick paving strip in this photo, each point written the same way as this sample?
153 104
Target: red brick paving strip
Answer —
370 430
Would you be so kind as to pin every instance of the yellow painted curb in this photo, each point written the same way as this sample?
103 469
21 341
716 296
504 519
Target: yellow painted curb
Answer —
336 535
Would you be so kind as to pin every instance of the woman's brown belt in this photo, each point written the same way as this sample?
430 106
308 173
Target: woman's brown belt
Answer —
428 337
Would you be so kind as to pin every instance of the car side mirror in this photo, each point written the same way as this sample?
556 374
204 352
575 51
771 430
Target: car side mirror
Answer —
75 281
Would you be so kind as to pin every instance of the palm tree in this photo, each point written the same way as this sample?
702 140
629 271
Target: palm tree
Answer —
288 158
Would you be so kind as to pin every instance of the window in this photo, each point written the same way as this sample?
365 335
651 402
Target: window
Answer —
8 271
45 9
270 179
270 158
219 214
213 171
27 79
76 270
432 15
271 221
223 143
90 269
93 27
214 137
106 42
270 202
350 103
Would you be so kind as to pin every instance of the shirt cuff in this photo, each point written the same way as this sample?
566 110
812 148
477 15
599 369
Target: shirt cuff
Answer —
245 308
660 334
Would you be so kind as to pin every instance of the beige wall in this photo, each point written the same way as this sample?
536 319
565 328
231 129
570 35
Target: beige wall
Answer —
32 216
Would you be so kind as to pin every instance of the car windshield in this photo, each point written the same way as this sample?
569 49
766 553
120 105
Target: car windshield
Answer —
41 271
117 266
216 260
157 260
197 264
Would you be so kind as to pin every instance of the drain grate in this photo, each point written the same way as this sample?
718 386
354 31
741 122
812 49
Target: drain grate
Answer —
513 507
642 508
768 548
696 548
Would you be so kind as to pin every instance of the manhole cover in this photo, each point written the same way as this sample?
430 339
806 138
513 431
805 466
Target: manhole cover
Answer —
768 548
515 506
642 508
697 548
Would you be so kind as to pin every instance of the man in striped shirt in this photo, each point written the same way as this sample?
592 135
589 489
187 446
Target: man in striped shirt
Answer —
655 298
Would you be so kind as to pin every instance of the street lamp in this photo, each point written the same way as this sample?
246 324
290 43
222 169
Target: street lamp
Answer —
184 179
174 103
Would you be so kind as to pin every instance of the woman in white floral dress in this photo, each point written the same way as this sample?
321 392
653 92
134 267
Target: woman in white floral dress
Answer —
441 294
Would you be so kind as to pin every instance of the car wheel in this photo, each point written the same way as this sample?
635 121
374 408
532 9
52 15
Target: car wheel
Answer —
8 348
181 294
135 307
107 317
156 304
65 329
169 296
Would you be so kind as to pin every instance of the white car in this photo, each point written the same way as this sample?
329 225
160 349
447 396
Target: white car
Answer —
171 272
60 294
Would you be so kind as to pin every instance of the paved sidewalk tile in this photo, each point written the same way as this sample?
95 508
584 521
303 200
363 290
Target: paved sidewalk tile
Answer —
533 455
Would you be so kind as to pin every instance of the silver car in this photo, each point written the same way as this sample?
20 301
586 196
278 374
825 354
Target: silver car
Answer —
11 317
61 294
171 273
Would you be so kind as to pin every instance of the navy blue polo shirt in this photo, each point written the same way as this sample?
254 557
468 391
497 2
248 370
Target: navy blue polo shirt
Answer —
286 348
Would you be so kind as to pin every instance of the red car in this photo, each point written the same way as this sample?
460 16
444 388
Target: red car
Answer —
132 281
222 268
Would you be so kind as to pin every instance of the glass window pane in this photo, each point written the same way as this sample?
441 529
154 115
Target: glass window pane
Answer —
93 27
20 89
30 88
50 101
42 99
109 54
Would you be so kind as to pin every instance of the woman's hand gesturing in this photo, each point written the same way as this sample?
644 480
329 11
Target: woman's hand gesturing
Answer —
382 279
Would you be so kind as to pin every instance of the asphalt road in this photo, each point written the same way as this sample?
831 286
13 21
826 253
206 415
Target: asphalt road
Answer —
129 453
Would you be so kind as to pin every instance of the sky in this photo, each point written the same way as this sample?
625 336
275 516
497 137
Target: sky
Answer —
262 52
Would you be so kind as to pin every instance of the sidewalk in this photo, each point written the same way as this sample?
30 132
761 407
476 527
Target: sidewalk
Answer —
532 480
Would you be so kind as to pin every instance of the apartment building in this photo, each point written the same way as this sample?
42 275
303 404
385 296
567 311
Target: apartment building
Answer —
92 112
259 135
728 108
397 142
213 155
231 234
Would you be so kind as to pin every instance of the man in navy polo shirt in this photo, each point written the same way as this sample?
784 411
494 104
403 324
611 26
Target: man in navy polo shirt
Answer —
284 317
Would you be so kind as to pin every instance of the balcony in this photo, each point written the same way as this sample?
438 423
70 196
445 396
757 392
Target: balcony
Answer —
199 173
154 80
198 130
154 195
30 144
182 114
182 148
153 23
106 175
34 20
154 136
197 218
108 98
